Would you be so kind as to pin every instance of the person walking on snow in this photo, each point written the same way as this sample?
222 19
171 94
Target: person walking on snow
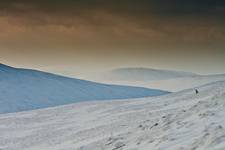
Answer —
196 91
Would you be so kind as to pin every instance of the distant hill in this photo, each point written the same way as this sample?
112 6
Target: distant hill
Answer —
138 74
154 78
24 89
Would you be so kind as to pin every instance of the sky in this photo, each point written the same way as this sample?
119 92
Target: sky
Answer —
74 36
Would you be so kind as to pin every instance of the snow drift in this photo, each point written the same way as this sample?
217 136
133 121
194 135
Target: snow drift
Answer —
23 89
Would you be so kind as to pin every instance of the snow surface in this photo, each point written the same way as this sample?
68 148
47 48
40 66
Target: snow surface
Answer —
177 121
167 80
23 89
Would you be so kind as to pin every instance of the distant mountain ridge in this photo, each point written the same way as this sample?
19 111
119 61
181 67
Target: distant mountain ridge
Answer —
26 89
139 74
155 78
148 74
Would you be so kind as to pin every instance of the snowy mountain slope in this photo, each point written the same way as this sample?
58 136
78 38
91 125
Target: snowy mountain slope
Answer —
22 89
177 121
152 78
178 84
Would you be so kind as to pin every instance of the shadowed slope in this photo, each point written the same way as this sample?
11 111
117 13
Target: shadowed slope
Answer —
23 89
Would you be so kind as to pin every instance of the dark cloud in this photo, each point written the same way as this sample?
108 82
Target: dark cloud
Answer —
164 20
99 12
161 16
144 7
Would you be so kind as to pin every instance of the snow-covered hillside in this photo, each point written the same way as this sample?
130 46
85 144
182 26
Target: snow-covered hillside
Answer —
22 89
178 84
152 78
177 121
